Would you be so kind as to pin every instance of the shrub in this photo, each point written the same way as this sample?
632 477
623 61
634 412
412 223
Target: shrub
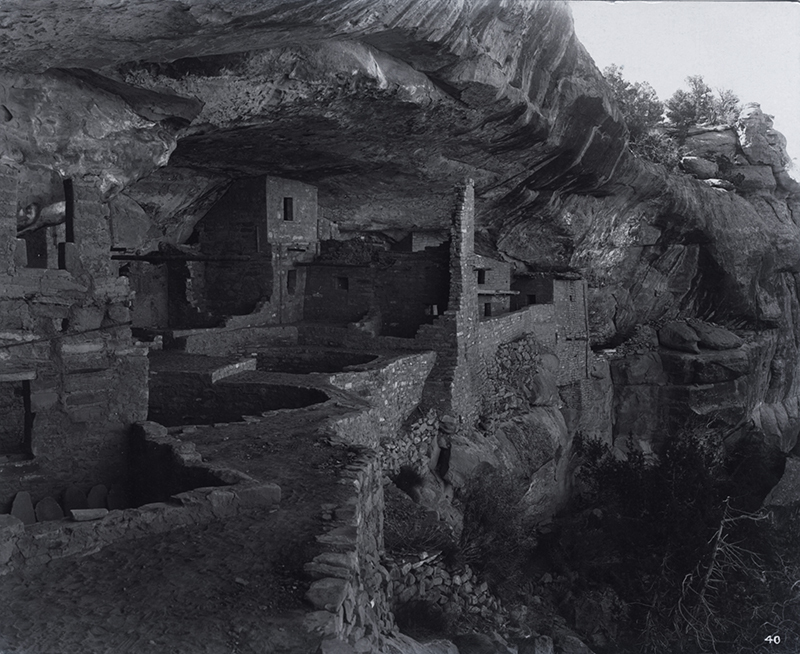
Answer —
496 538
409 527
699 105
696 573
643 113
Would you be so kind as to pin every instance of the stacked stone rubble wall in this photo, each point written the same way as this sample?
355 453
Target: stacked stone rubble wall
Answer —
351 586
66 329
232 492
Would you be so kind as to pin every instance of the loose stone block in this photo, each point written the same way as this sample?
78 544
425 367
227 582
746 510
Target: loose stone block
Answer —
345 537
117 497
320 571
48 509
328 593
322 622
84 515
97 498
22 508
335 646
74 498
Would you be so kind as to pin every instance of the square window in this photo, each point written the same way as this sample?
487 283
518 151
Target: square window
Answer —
531 299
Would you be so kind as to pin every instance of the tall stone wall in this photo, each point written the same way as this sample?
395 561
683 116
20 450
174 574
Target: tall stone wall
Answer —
453 335
65 336
351 587
232 234
572 341
406 290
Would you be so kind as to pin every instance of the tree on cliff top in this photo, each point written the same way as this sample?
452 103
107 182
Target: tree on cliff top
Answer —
700 105
637 101
644 114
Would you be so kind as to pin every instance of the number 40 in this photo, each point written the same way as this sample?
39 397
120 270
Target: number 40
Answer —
773 640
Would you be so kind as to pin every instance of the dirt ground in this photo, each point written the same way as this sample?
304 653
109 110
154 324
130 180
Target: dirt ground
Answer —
232 586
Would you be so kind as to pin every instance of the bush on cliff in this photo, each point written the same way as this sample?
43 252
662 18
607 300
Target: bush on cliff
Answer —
695 572
496 538
644 115
699 105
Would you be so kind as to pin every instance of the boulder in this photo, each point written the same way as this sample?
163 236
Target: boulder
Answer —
542 389
711 144
714 337
567 642
545 495
335 645
708 367
639 369
328 593
779 428
760 142
787 490
720 184
751 178
699 167
679 336
536 645
787 182
401 644
475 643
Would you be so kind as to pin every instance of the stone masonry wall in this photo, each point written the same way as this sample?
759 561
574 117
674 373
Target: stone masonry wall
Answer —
350 591
450 387
427 578
404 289
225 493
67 331
234 227
571 316
393 392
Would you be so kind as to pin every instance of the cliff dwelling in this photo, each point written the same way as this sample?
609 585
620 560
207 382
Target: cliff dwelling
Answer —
351 327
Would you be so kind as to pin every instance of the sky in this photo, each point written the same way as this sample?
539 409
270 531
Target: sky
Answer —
751 47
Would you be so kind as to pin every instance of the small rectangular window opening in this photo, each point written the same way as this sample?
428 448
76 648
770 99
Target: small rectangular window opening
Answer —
432 310
487 309
69 223
291 281
531 299
343 283
288 209
69 212
481 277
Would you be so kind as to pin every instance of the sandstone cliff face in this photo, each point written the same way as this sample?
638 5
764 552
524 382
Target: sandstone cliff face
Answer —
385 106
